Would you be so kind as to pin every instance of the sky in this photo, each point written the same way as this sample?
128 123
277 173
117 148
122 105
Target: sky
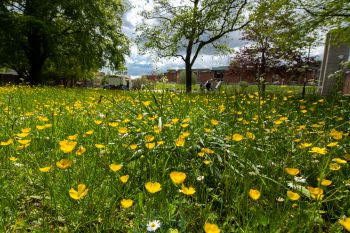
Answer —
138 64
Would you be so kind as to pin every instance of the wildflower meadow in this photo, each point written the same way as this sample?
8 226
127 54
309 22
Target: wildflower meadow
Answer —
89 160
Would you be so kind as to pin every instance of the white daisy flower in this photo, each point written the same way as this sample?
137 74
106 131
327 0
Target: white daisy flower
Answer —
299 179
153 225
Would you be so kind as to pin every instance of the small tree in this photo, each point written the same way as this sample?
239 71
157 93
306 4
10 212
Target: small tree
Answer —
183 30
275 35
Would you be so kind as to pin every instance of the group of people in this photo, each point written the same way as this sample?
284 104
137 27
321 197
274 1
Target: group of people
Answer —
206 85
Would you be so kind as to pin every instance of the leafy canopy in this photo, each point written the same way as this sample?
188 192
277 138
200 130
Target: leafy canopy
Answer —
60 35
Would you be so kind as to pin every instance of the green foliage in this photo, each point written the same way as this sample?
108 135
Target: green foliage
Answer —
65 36
326 14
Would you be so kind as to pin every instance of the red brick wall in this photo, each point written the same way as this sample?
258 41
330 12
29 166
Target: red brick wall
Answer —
152 77
172 76
204 76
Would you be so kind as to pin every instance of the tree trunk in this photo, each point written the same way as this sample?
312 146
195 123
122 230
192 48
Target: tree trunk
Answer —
188 77
36 56
263 72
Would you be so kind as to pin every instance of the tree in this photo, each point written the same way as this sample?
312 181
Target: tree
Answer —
329 14
274 35
184 29
39 33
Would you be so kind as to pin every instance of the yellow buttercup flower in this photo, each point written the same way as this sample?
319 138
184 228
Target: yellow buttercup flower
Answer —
47 126
207 150
254 194
293 196
26 130
150 145
126 203
124 178
40 127
337 135
186 120
207 162
325 182
153 187
64 163
88 133
184 125
98 122
67 146
80 151
123 130
115 167
214 122
12 158
126 121
24 142
159 143
292 171
305 145
45 169
316 193
180 142
174 121
80 193
113 124
277 122
345 223
211 228
334 166
41 118
146 103
73 137
22 135
8 142
187 190
301 127
177 177
339 160
149 138
318 150
250 135
133 146
332 144
236 137
100 146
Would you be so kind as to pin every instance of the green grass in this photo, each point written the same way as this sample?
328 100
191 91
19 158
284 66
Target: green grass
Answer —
234 88
36 201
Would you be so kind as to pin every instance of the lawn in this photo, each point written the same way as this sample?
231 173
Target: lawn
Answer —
90 160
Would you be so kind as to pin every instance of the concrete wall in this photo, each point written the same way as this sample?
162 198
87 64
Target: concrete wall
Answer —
334 53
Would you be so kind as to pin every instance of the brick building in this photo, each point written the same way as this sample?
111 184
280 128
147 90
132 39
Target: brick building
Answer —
223 73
